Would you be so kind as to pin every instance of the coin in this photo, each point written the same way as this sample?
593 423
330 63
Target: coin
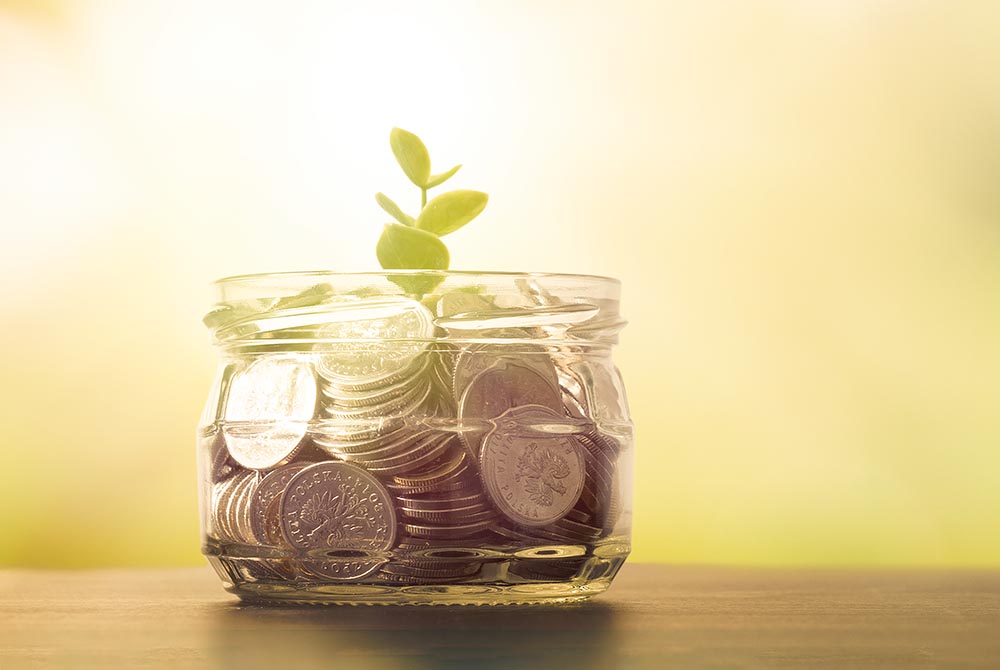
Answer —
547 569
533 479
474 360
268 411
239 511
452 465
375 395
265 510
220 465
421 454
508 384
458 516
436 504
403 406
601 391
337 433
373 339
225 506
390 443
446 532
342 510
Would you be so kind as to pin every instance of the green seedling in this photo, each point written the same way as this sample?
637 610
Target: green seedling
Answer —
414 243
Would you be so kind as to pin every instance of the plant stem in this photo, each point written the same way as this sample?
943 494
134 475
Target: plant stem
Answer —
423 198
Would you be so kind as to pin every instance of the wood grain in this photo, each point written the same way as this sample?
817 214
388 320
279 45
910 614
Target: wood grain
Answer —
653 617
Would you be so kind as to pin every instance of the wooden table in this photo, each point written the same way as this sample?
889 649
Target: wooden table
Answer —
653 617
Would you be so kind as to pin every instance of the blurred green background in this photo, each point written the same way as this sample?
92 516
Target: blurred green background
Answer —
801 197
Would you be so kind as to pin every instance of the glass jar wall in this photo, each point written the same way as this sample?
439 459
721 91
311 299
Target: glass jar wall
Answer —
416 437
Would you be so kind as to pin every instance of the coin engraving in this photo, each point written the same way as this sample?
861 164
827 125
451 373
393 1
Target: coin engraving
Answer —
542 471
532 479
382 338
338 507
265 517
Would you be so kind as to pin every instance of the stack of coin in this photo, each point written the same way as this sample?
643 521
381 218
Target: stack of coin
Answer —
445 500
414 564
361 401
231 507
374 371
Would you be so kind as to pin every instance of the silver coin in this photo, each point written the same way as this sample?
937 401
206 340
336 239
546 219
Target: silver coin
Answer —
221 495
373 340
432 574
224 505
391 444
238 508
339 396
446 532
265 505
437 504
420 455
452 465
506 385
220 465
601 391
532 479
442 369
459 516
338 433
340 509
268 411
219 492
402 406
472 361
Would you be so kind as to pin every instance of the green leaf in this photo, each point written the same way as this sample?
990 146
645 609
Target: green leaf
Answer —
393 210
450 211
403 248
412 156
438 179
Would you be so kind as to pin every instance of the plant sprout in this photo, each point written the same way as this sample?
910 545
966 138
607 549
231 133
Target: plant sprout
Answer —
414 243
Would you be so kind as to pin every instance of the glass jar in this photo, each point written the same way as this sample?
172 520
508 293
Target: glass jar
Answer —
416 437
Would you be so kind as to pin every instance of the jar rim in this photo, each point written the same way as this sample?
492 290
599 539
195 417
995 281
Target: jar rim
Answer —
590 278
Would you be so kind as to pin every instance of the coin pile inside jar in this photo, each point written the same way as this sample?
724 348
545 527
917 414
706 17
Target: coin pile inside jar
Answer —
389 454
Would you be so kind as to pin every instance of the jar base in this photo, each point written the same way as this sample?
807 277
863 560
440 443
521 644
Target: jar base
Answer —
440 594
258 581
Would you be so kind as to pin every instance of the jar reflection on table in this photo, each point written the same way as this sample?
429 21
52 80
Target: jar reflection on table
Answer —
416 438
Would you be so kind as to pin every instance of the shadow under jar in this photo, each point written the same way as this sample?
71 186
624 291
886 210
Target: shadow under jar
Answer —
416 438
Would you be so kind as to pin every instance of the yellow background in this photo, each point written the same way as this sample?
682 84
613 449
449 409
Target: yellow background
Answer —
801 197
